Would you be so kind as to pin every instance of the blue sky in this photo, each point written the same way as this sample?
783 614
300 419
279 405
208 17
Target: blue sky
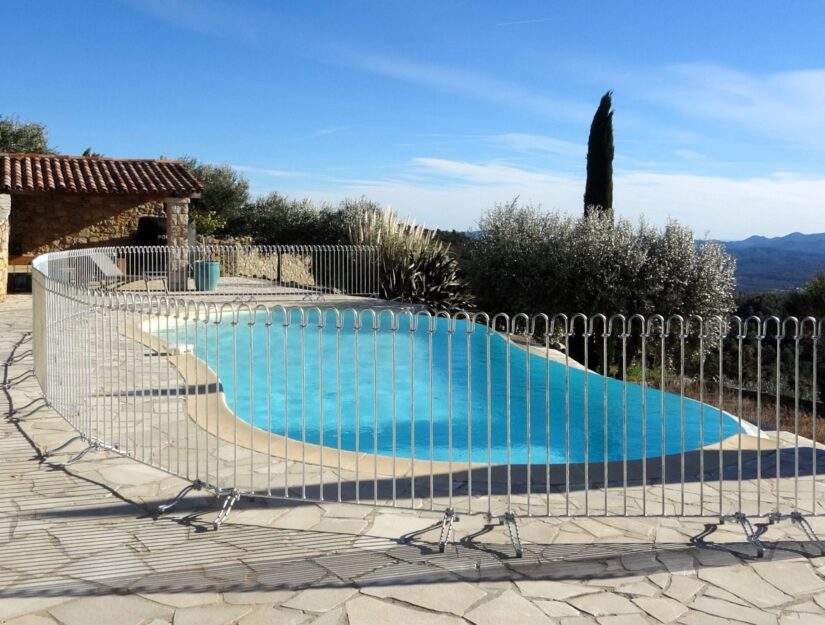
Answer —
441 109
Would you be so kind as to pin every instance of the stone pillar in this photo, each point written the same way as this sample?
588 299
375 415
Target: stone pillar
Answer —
5 226
177 227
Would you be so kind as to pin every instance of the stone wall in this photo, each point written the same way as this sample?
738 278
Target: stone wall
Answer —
5 209
52 222
177 236
296 269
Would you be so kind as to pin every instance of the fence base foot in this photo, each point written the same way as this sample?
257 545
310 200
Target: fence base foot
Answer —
450 517
13 414
51 452
93 445
78 456
699 539
796 517
231 500
752 535
8 384
196 485
512 529
15 358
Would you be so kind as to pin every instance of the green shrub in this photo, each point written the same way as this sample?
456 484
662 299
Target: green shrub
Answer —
527 260
26 137
225 192
809 300
276 219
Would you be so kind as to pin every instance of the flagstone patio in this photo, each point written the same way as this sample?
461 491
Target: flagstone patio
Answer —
82 545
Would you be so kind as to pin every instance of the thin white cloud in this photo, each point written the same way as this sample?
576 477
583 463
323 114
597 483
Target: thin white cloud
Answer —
330 131
453 194
526 142
205 16
276 173
781 105
465 83
487 174
689 155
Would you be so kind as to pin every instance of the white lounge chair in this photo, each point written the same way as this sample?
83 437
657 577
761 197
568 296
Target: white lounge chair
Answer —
109 274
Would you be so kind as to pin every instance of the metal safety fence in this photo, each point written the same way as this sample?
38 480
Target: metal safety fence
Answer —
385 405
198 270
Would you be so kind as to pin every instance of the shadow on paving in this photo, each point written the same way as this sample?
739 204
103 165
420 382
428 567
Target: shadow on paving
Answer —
270 559
137 555
700 467
557 483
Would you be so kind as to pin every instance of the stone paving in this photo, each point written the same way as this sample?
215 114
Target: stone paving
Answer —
82 545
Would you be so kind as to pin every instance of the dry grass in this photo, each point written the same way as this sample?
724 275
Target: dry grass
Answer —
752 408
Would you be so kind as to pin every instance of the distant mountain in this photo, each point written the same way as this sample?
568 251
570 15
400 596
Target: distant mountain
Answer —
776 264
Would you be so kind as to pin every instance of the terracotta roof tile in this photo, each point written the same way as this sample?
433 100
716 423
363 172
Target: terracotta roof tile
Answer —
45 173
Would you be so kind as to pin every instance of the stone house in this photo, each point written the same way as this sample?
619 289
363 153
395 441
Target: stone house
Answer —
55 202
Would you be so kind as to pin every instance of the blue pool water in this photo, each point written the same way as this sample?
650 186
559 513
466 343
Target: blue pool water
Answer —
453 398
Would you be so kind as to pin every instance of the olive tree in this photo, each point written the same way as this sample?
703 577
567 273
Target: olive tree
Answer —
26 137
225 193
528 260
278 219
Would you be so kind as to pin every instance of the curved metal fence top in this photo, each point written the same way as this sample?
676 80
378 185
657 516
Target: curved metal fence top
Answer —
240 270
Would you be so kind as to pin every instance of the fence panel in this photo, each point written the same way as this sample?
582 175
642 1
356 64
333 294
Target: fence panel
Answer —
395 406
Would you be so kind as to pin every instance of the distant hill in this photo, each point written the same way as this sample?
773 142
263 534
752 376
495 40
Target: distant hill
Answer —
776 264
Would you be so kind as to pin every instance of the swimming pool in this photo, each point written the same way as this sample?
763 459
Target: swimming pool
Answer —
419 394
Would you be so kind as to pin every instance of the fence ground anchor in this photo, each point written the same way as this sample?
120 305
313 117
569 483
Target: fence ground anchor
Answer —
231 500
91 445
752 535
51 452
13 414
196 485
450 517
8 384
78 456
699 539
800 520
94 445
512 529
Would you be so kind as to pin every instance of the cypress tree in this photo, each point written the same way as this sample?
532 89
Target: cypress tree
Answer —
598 193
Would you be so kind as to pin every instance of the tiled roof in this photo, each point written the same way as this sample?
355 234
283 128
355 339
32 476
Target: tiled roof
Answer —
46 173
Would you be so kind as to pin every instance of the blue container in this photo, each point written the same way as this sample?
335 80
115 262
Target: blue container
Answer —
207 273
